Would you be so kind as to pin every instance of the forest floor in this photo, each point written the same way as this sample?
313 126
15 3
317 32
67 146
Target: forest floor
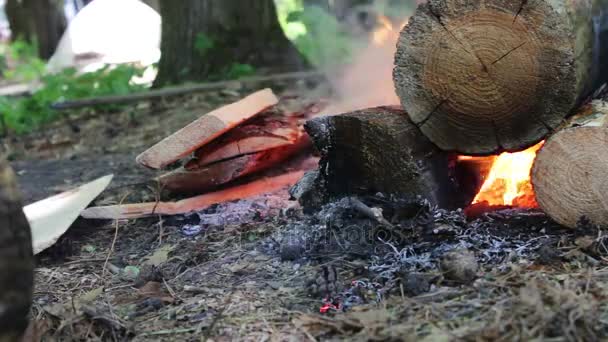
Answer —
260 269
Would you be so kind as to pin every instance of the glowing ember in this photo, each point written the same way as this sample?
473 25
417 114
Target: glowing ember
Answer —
508 182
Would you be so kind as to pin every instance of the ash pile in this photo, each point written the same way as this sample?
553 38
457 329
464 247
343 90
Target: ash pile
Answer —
398 246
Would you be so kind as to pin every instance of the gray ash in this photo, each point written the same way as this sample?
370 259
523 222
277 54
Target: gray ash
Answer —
398 236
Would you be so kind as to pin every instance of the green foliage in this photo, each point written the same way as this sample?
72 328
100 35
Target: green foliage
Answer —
317 34
238 70
27 66
321 38
203 43
24 114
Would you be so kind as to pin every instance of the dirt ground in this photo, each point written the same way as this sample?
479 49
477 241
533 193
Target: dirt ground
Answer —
259 269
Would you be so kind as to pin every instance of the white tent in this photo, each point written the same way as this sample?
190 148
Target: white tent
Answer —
116 31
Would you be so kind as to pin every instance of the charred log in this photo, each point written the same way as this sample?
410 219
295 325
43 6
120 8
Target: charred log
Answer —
380 150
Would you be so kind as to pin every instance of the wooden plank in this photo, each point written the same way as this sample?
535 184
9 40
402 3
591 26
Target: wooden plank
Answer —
205 129
133 211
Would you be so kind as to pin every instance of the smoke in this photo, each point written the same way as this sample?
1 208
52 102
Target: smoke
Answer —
367 80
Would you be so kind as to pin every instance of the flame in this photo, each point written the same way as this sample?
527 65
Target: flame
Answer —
508 182
386 31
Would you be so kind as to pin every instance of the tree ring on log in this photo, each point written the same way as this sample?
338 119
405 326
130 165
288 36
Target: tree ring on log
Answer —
569 176
478 77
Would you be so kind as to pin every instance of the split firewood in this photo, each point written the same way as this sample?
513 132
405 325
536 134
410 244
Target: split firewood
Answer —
480 77
206 129
380 150
197 179
271 129
132 211
570 172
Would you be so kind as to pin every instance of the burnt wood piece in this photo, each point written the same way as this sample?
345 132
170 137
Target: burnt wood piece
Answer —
267 130
16 259
570 173
481 77
195 179
380 150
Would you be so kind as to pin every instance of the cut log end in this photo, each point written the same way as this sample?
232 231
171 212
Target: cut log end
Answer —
470 73
569 176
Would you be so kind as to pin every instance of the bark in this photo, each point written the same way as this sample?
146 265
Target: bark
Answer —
203 38
380 150
16 260
569 173
37 21
481 77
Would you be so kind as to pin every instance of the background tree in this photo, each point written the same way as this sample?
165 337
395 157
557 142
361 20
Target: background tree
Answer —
203 38
40 21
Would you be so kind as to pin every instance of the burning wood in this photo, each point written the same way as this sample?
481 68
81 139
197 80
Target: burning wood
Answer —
206 129
482 77
197 179
260 143
231 143
132 211
380 150
269 130
508 179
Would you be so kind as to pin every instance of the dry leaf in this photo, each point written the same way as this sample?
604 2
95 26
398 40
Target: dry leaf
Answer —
160 256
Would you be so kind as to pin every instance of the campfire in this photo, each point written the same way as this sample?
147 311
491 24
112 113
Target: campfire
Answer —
508 180
479 109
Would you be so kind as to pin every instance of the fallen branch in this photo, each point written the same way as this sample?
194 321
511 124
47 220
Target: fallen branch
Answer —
176 91
132 211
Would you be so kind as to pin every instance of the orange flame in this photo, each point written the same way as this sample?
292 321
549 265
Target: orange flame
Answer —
508 182
386 32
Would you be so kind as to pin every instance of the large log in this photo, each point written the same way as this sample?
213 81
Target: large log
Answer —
481 77
570 173
380 150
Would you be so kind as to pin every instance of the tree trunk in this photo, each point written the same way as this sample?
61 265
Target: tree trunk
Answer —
481 77
569 173
380 150
203 38
37 21
155 4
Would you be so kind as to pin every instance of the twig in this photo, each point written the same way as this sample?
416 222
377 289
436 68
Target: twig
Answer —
372 213
116 226
175 91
